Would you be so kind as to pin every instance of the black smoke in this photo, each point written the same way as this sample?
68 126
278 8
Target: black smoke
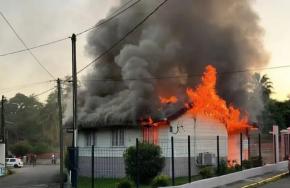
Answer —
179 39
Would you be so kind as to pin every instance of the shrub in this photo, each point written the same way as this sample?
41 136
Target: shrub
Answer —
223 168
247 164
206 172
125 183
150 161
160 181
257 161
21 148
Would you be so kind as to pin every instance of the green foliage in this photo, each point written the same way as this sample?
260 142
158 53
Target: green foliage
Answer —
41 148
125 183
247 164
223 168
21 148
253 162
206 172
33 122
149 159
160 181
257 161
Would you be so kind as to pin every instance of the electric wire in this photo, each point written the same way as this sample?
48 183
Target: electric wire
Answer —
24 44
189 76
24 86
123 37
44 92
116 13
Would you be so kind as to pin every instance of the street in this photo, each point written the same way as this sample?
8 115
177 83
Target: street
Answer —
282 183
29 177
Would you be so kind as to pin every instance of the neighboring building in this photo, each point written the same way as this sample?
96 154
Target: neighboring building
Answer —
111 141
2 159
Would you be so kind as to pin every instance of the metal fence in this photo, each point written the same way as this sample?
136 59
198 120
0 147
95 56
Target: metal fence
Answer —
183 157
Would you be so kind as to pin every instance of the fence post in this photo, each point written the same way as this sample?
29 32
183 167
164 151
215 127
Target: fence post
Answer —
288 145
275 149
249 146
189 159
241 149
218 153
137 164
93 166
260 149
285 147
172 161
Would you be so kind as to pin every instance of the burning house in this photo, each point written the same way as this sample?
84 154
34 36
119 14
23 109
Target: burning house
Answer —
151 86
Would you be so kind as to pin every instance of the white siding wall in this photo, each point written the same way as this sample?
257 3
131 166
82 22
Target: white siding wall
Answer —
203 136
103 142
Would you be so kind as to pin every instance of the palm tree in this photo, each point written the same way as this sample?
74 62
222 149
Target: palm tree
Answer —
265 84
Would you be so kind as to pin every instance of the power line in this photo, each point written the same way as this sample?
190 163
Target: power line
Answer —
24 86
124 37
189 76
34 47
24 44
114 15
44 92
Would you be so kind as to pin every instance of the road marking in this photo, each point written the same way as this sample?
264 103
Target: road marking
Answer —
268 180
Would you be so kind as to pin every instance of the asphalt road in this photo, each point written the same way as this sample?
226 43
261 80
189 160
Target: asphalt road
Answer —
40 176
282 183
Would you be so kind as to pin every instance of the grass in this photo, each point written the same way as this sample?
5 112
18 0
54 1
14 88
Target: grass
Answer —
85 182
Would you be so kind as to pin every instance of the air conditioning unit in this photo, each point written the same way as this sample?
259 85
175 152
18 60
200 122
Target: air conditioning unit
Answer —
206 158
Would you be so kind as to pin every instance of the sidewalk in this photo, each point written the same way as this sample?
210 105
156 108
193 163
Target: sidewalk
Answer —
252 180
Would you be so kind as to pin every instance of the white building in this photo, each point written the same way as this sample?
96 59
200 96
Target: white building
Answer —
111 141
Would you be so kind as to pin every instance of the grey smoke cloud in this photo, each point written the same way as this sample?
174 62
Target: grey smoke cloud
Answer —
181 38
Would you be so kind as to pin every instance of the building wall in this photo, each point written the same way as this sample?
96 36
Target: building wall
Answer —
2 159
103 137
109 161
203 134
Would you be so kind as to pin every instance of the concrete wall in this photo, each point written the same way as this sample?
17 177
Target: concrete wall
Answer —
2 159
105 167
234 177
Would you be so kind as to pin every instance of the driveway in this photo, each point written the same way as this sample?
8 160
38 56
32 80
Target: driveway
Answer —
40 176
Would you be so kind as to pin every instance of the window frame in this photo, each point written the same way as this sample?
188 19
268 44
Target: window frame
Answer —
118 137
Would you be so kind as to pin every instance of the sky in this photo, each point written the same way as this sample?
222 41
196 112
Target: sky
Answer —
43 21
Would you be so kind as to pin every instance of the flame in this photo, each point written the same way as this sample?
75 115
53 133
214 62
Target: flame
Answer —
150 130
205 101
171 99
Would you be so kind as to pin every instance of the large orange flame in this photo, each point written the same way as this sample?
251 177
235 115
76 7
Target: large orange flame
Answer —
205 101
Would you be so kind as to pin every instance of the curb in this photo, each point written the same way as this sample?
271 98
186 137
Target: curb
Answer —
268 180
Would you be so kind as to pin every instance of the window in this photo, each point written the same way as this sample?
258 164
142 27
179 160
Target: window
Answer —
12 160
118 137
91 139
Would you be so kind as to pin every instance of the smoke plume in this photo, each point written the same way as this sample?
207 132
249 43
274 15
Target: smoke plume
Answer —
177 42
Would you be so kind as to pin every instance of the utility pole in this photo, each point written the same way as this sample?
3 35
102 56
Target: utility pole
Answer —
74 81
60 132
74 148
2 136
